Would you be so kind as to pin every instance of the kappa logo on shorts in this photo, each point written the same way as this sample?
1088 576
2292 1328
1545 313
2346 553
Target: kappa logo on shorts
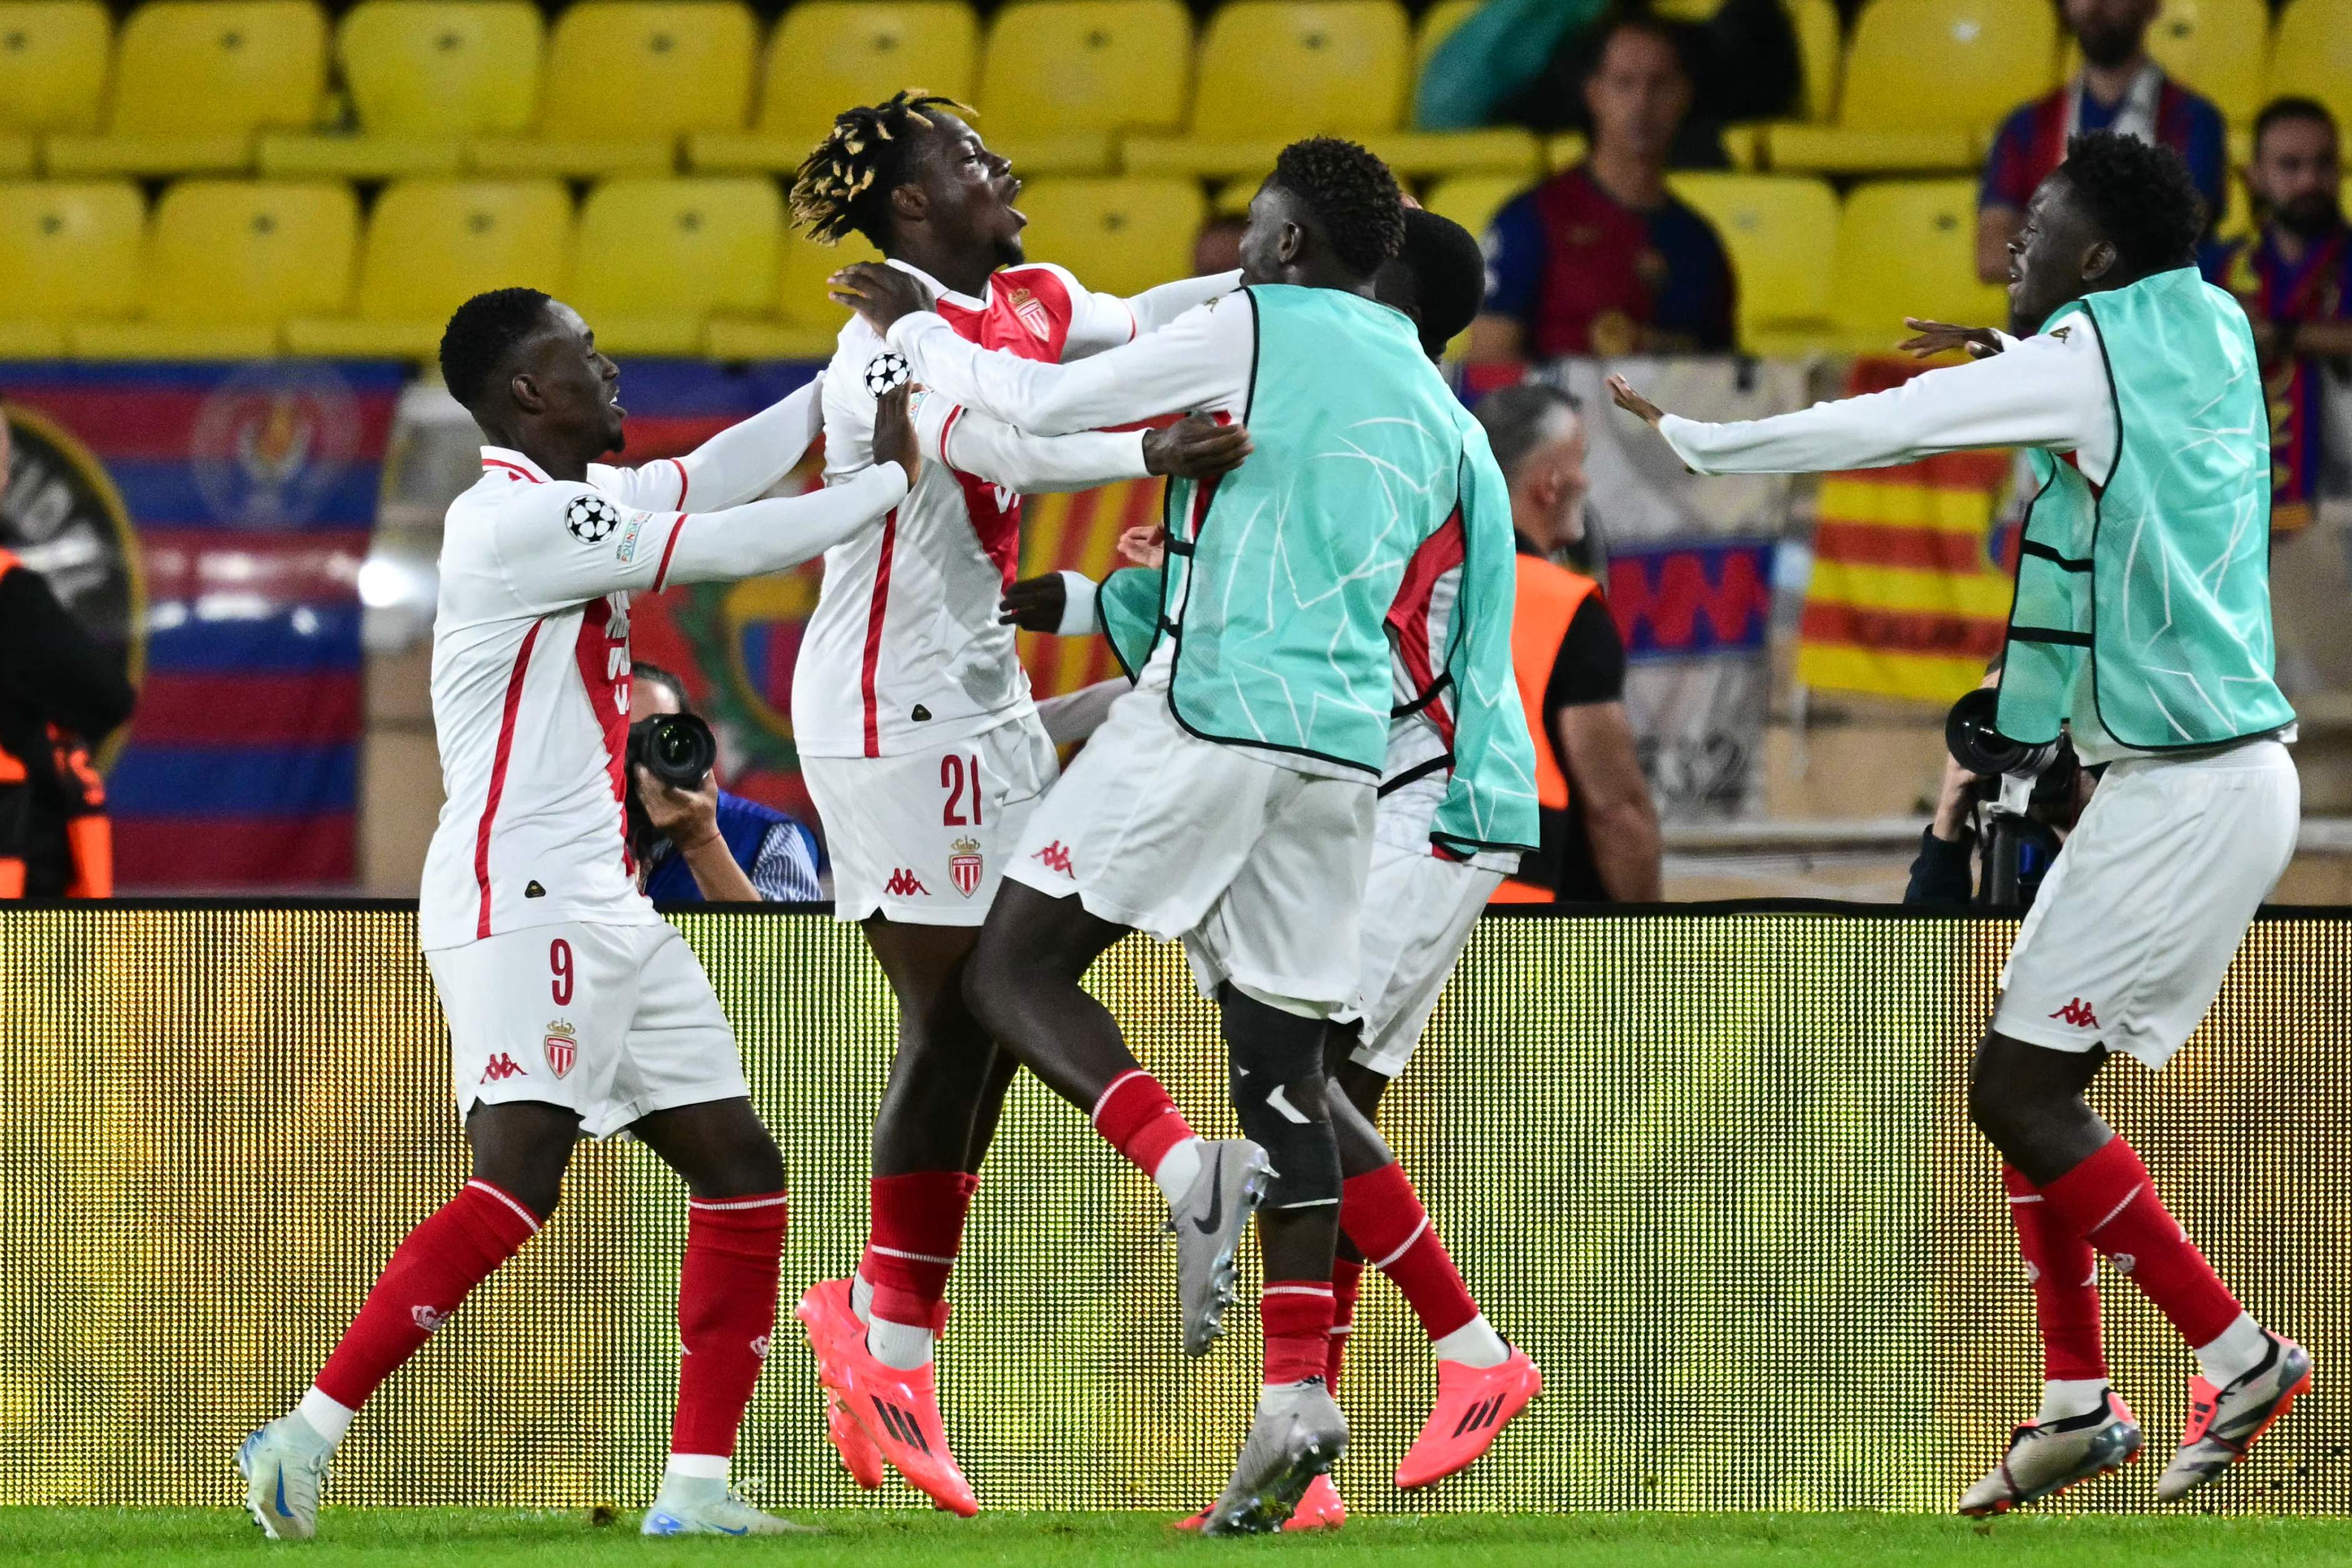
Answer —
963 866
428 1318
2078 1013
501 1068
563 1048
1054 857
904 884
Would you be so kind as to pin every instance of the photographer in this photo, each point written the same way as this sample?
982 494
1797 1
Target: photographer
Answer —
1947 871
704 844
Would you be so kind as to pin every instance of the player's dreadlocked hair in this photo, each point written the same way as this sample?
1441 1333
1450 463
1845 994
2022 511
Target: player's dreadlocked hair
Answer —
2141 196
482 333
1351 193
844 183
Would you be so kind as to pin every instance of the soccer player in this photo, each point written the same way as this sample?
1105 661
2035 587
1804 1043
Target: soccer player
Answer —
573 1009
1229 799
922 749
1420 901
2143 624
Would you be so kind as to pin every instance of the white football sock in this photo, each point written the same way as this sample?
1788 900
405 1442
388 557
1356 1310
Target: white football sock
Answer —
861 1298
2237 1352
902 1347
1474 1344
701 1467
2065 1397
327 1417
1180 1167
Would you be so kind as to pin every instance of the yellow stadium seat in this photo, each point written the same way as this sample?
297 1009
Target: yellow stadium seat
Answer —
1908 247
70 253
2311 54
1271 70
1062 77
1120 235
433 243
1781 233
625 80
1819 41
1473 199
2218 47
1437 25
53 58
829 55
423 76
799 322
16 157
1925 81
228 263
657 258
195 80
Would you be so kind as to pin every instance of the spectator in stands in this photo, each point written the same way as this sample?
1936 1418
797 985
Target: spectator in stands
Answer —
61 694
1599 828
1601 259
713 845
2118 88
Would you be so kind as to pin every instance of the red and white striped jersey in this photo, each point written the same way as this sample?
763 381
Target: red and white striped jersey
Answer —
1421 625
904 648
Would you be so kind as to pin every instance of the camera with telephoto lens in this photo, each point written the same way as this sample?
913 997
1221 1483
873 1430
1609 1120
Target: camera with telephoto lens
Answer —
677 749
2026 791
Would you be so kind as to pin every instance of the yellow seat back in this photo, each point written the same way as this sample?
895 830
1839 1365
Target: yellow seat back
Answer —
1058 66
1958 64
442 67
1821 50
832 55
1284 68
620 70
194 68
1121 235
2312 54
237 251
432 244
70 252
800 297
1473 199
669 248
1781 233
53 58
2220 47
1908 247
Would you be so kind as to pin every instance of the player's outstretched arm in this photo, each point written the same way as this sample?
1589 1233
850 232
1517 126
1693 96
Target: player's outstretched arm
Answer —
1156 308
733 466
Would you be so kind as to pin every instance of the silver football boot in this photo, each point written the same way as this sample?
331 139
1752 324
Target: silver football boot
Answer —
1297 1435
1234 1175
2046 1457
2223 1423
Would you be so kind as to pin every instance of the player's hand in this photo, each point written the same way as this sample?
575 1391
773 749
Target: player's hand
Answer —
1621 393
685 817
894 432
1034 605
1144 545
1941 337
1196 447
881 294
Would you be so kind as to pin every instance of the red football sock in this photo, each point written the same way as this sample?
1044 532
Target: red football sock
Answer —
430 1272
2109 1201
726 1310
1139 1120
2064 1274
1383 1217
917 1230
1296 1317
1346 1277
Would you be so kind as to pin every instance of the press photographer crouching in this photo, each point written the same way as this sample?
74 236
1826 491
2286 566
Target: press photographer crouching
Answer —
692 840
2002 812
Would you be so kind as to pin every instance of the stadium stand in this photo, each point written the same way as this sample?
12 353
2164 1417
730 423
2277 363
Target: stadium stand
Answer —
1908 247
1985 55
1772 225
2220 47
196 81
1123 236
794 319
423 77
1061 79
625 80
657 258
826 55
2311 54
70 251
53 62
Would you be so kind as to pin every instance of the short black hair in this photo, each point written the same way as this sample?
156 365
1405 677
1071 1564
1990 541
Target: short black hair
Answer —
1633 18
1517 419
481 336
2140 195
644 670
1353 196
2291 107
843 186
1449 277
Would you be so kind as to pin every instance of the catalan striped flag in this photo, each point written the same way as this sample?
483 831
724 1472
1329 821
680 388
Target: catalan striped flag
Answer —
1077 533
1911 583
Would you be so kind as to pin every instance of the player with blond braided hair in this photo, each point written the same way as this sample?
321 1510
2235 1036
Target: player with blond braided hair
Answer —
922 749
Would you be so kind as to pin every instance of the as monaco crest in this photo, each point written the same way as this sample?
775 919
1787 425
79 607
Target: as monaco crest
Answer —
963 866
1026 306
563 1049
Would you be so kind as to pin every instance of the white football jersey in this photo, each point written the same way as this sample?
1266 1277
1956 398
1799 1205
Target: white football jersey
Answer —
1421 626
904 650
530 695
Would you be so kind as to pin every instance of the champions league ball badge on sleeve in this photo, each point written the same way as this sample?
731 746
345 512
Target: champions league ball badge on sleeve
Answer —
886 370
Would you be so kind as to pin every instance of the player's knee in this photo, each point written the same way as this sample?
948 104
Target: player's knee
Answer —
1282 1097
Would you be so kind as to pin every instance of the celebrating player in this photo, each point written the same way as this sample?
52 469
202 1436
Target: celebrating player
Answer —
1255 737
2143 624
572 1008
921 745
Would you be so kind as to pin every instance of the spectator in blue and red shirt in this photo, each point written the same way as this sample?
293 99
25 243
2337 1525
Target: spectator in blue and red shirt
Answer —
2118 88
1600 259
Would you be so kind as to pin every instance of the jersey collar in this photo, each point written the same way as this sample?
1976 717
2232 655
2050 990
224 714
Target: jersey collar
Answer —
941 291
512 465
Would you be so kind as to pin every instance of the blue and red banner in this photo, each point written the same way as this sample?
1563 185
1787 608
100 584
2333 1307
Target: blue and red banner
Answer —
249 491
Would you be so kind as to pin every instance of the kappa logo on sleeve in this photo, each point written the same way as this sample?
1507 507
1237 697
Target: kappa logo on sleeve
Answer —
591 520
886 369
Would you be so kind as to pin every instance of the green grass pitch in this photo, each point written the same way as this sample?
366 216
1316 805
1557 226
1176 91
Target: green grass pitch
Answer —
384 1538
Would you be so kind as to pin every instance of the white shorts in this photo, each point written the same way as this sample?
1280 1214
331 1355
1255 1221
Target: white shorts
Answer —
1259 868
922 838
2139 917
1419 909
611 1021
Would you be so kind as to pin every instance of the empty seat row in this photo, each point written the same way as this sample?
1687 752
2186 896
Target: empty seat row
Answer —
234 268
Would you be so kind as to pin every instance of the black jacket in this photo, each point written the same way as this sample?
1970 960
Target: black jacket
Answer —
51 672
